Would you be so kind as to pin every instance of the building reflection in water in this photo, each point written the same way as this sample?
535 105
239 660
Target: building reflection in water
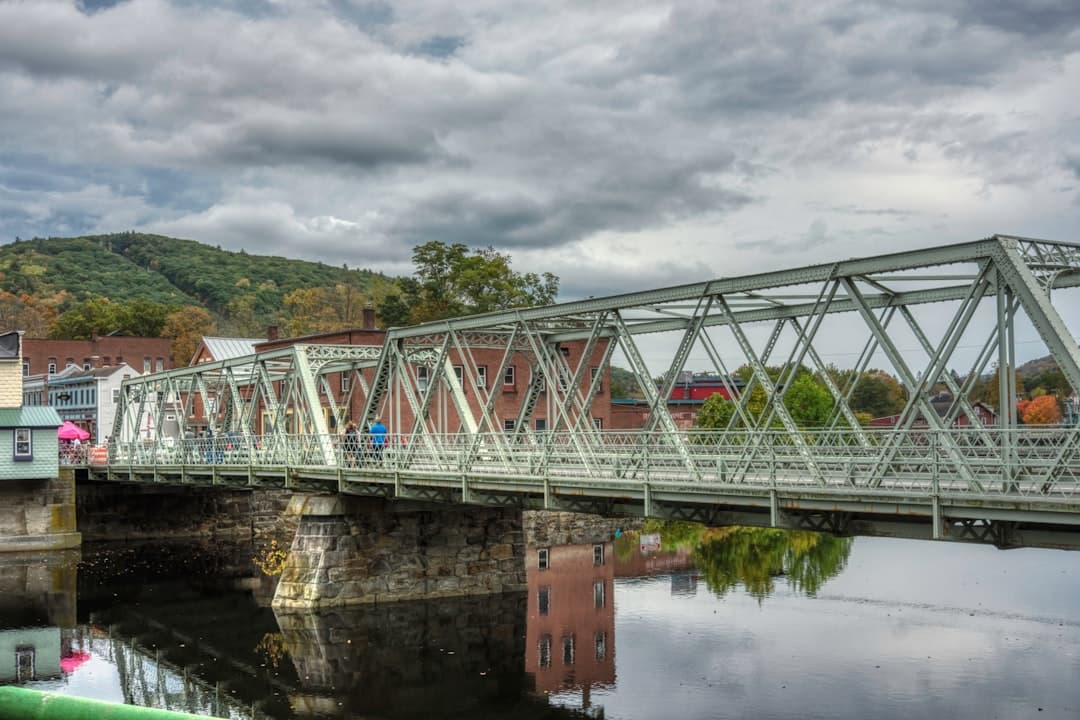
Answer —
37 616
570 642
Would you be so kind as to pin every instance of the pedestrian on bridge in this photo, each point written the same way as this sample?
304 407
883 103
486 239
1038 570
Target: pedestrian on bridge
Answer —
378 439
351 454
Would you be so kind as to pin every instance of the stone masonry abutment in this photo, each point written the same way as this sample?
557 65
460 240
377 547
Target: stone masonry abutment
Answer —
38 515
351 550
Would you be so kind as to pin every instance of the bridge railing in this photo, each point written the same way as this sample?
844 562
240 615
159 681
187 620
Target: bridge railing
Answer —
1029 461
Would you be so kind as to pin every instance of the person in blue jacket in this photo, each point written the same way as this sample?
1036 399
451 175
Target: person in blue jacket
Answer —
378 439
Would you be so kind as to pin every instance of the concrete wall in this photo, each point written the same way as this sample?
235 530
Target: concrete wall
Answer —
38 514
360 550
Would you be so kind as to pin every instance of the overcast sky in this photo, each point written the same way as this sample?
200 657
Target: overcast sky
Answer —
621 145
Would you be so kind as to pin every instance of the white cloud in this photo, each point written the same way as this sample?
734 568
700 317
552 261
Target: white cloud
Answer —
618 145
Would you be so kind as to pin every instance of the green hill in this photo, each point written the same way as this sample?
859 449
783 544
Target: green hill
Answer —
128 266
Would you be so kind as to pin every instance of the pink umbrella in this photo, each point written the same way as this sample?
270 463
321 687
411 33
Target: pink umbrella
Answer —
74 660
71 431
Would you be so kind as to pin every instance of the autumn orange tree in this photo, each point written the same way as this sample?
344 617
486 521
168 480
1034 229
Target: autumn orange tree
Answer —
26 312
185 328
323 309
1042 410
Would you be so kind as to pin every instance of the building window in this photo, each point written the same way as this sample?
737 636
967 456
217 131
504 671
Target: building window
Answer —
568 649
541 424
105 361
542 559
544 652
598 423
422 378
24 444
25 662
25 367
119 359
159 364
459 373
146 364
86 365
481 376
344 382
563 376
543 600
52 366
508 376
116 395
600 643
598 594
565 352
593 372
508 425
598 554
69 362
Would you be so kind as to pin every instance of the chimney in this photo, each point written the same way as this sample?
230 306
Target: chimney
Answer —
369 318
273 332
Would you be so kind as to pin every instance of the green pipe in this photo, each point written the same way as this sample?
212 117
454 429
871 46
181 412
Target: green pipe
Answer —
18 703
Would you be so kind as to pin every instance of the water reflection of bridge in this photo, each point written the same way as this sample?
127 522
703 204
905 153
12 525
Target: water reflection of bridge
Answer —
214 655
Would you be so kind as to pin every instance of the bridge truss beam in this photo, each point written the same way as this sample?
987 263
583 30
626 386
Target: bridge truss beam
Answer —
431 383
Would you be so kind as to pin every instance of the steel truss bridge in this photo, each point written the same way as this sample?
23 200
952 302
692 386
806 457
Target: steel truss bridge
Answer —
938 319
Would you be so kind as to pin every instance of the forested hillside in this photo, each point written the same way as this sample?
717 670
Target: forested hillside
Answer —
155 286
128 266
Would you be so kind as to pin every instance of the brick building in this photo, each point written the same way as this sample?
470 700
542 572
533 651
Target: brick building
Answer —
42 356
511 387
689 394
943 406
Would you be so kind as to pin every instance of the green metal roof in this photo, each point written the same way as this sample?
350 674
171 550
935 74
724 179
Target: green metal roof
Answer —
32 416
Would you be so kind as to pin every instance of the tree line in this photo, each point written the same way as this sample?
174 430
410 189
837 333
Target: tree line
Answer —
874 394
448 281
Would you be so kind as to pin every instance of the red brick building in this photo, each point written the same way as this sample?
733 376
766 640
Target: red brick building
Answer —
942 407
51 356
689 394
511 387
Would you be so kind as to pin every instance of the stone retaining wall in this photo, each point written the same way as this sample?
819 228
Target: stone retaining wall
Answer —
365 550
38 514
121 511
549 528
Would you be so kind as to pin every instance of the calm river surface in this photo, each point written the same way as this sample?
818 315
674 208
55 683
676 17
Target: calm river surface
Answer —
724 623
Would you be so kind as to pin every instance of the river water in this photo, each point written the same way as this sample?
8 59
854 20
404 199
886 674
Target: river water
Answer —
677 622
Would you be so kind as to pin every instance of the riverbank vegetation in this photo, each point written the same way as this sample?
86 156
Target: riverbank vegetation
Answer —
756 559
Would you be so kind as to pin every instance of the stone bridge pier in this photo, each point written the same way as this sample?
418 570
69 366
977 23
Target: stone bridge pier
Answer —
351 550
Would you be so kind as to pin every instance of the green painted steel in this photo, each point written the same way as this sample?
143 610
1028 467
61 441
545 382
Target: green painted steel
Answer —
267 417
18 703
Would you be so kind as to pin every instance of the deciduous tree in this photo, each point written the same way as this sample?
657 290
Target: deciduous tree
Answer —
1043 410
185 328
451 280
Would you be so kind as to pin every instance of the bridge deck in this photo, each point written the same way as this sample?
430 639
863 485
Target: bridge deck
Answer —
1031 476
